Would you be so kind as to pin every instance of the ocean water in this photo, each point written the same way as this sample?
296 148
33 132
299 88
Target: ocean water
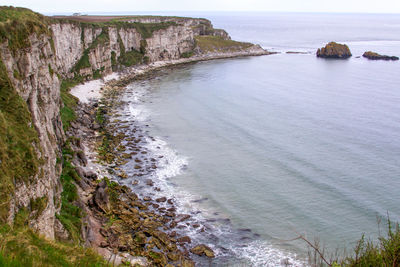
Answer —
262 149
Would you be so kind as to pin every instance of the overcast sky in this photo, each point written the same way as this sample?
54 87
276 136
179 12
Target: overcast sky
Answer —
369 6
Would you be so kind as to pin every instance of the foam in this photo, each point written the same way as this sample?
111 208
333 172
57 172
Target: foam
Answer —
226 242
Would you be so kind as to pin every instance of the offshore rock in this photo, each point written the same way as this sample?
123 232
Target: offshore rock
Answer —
334 50
375 56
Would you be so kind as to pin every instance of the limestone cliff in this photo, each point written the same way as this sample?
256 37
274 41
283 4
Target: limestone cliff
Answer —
36 54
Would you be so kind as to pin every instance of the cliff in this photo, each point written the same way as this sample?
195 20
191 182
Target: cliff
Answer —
40 58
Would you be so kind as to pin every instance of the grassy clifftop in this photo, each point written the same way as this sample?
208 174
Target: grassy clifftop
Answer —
218 44
16 24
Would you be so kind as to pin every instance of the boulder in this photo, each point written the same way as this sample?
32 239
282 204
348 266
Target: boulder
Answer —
334 50
375 56
203 250
184 239
100 197
161 199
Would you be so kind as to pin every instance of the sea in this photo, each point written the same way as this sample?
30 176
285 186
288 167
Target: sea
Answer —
263 150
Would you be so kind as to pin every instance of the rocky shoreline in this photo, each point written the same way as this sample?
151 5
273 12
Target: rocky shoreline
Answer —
119 222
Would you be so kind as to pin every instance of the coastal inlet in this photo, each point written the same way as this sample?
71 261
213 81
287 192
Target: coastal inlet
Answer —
146 164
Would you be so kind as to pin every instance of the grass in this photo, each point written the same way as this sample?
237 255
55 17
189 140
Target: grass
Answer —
131 58
16 24
216 43
18 139
38 205
70 102
70 215
20 246
187 54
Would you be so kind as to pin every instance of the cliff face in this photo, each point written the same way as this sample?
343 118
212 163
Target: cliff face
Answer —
30 72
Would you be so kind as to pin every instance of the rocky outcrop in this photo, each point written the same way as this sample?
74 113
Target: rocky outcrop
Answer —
334 50
376 56
31 73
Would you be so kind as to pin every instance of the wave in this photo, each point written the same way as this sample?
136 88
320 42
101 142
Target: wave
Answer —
238 247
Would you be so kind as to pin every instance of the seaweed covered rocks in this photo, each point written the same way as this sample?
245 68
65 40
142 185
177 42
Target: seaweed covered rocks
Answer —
334 50
129 226
375 56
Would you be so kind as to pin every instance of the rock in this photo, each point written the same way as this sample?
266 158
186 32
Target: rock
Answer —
123 175
104 244
161 199
184 239
173 256
146 198
334 50
104 232
375 56
172 234
170 214
182 217
101 198
95 126
90 175
149 182
187 263
173 224
203 250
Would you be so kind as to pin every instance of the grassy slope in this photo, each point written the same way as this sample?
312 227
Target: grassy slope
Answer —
16 24
20 246
216 43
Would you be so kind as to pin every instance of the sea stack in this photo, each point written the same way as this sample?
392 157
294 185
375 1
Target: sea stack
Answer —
375 56
334 50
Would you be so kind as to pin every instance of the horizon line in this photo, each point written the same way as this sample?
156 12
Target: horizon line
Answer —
216 11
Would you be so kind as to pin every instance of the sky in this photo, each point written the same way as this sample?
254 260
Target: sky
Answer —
348 6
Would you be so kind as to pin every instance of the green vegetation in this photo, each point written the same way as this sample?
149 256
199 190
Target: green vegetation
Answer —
216 43
70 215
187 54
38 205
381 253
133 57
18 158
20 246
51 71
70 102
16 24
16 74
83 62
384 253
